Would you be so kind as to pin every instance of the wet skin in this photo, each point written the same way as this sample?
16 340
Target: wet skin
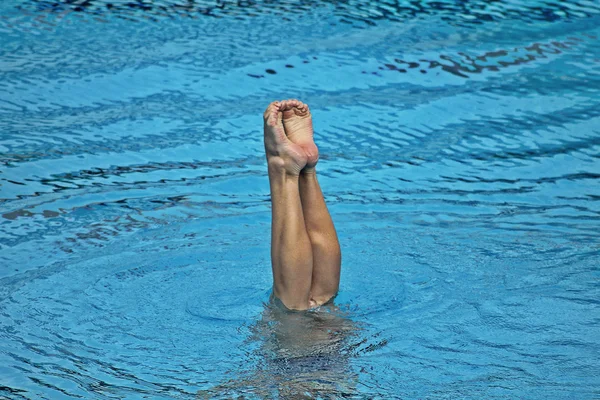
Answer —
305 251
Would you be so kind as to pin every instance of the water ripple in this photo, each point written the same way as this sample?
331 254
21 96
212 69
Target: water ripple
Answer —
460 152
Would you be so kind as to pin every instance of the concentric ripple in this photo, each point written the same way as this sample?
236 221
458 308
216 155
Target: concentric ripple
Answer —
460 156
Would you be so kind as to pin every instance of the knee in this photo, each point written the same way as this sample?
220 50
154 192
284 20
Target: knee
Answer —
291 301
322 297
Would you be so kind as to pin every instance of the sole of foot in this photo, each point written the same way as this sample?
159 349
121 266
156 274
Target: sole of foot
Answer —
297 122
281 152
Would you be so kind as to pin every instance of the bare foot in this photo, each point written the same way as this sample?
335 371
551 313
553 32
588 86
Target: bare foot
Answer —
281 152
297 122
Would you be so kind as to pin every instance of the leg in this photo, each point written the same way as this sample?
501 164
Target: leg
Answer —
297 122
291 251
327 256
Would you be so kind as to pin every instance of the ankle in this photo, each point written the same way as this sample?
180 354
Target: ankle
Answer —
277 166
308 172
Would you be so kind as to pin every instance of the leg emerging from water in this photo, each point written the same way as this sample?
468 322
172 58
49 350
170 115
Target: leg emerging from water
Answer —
305 252
297 122
291 251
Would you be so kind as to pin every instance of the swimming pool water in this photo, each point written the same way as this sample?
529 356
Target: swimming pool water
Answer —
460 159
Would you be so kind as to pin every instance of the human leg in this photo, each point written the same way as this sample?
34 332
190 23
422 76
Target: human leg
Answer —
291 251
326 252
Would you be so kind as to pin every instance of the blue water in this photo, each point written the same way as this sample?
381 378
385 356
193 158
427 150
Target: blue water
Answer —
460 159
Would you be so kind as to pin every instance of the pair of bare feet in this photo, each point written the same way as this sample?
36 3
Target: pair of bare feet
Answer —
289 142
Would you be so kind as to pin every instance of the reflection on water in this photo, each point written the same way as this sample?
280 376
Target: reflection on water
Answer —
363 11
297 355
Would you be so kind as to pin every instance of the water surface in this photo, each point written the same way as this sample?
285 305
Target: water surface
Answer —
460 158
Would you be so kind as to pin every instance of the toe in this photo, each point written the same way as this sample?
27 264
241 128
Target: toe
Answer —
268 111
289 104
302 111
284 105
270 114
297 103
297 106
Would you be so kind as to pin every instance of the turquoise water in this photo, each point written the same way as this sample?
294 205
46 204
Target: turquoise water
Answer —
460 158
